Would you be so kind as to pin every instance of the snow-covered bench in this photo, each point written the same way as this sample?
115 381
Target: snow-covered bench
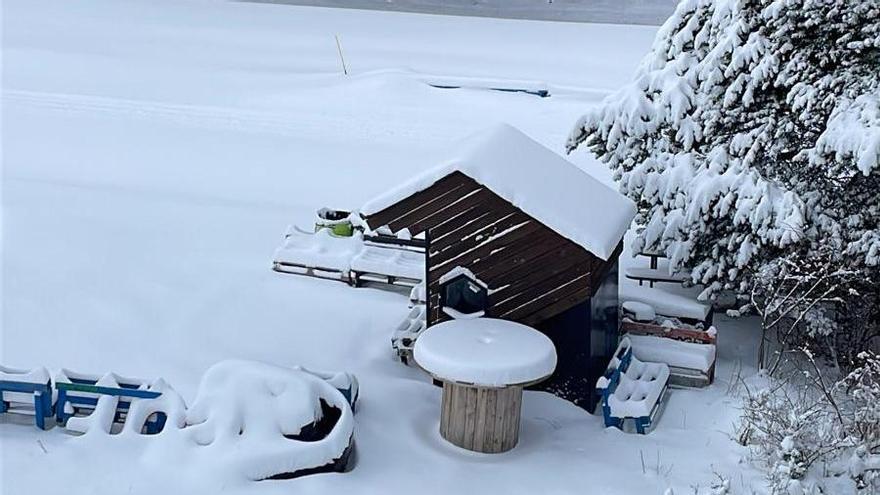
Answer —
19 389
106 399
631 389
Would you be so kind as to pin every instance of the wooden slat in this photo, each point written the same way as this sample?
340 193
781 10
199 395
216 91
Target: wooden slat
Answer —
451 225
469 228
444 226
402 207
475 238
511 258
548 299
452 207
441 264
505 301
562 304
600 269
568 255
414 220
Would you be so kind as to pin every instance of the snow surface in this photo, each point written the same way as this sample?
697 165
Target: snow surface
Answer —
536 180
485 351
153 153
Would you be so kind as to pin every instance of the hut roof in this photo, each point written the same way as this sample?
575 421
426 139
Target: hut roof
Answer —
536 180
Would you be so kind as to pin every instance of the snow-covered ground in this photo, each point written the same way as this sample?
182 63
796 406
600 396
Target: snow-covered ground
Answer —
153 153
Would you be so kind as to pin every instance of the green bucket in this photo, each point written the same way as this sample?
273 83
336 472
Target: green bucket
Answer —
336 221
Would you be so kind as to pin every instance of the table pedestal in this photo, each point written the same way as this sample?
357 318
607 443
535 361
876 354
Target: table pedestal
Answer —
481 419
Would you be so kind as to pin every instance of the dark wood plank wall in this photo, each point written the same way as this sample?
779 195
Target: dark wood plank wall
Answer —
533 272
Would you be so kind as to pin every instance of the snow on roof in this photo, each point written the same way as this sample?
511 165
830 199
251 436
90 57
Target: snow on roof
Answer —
536 180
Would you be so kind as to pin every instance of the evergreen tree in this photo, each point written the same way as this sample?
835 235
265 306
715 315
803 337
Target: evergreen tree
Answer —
751 130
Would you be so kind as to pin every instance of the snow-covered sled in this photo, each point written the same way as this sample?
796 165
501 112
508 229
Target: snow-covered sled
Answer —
632 390
26 392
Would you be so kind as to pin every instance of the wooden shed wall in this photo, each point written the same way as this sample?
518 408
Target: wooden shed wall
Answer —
533 272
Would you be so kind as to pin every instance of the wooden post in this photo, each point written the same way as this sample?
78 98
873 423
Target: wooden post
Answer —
481 419
341 56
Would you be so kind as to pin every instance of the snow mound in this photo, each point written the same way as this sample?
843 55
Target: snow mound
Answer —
536 180
485 351
254 418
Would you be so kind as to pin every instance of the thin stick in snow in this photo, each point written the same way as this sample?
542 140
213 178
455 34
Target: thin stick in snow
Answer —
341 56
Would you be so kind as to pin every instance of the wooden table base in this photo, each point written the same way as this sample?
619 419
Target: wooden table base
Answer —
479 418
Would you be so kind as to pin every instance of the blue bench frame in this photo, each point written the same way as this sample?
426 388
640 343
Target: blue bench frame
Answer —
642 423
69 393
42 393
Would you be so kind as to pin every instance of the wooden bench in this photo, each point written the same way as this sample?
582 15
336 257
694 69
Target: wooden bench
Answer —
632 390
19 390
78 396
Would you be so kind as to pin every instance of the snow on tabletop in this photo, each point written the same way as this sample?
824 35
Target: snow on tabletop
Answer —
35 375
485 351
536 180
673 352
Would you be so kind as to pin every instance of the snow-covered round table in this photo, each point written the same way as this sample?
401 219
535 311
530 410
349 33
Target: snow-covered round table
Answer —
484 364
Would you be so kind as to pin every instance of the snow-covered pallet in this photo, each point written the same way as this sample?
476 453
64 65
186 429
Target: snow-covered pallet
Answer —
106 399
403 339
26 392
632 390
691 365
356 260
688 349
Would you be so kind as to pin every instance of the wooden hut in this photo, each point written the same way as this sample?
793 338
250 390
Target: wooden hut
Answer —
514 231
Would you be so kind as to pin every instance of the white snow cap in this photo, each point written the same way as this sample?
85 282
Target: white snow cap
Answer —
485 351
536 180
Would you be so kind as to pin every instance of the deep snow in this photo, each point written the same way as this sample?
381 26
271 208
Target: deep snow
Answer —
153 153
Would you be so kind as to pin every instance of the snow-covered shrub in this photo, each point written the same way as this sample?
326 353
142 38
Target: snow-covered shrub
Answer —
811 434
751 131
